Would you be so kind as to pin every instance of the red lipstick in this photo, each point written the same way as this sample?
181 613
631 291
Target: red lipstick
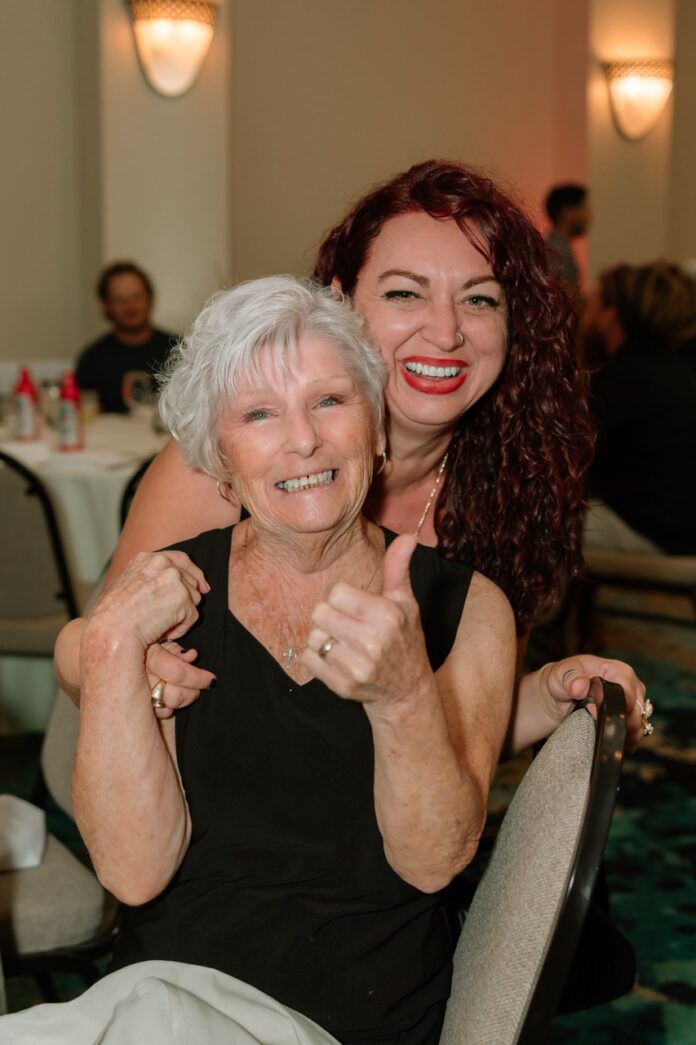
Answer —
434 385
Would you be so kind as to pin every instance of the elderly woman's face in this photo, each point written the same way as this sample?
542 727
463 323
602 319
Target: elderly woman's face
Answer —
436 311
301 445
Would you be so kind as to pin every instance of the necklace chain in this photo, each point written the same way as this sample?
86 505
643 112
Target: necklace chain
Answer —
290 653
428 503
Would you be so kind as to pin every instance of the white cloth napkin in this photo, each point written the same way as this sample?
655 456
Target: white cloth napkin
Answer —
22 834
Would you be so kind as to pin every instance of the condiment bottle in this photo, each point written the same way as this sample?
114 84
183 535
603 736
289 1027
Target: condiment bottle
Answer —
26 412
69 417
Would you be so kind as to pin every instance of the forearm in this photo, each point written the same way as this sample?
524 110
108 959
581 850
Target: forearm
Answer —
66 659
430 808
128 800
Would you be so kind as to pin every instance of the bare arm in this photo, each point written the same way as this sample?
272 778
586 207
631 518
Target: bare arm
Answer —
172 503
128 799
437 738
545 697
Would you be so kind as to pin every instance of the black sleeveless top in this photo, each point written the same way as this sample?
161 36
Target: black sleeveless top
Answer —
285 884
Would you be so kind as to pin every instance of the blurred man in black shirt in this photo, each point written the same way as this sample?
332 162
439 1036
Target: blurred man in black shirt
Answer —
126 294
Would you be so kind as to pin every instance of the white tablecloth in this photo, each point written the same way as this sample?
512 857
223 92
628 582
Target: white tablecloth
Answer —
86 488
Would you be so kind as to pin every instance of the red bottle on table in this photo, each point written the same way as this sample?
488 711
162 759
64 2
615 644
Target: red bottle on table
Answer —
69 417
26 407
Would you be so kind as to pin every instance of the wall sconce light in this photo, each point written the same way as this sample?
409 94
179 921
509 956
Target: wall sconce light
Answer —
638 92
172 38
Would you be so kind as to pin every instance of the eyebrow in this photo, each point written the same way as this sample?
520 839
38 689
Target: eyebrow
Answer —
423 281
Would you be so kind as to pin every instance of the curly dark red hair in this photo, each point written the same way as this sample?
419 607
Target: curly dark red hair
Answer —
513 498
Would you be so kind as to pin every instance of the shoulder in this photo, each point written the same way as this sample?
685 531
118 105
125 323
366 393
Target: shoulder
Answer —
94 347
205 547
485 597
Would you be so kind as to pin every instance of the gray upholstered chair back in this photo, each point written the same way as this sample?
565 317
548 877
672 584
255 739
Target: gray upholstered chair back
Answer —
58 751
36 596
509 925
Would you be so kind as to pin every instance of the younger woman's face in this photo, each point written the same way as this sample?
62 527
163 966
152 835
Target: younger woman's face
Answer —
439 316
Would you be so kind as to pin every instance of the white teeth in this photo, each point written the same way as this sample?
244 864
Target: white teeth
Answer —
316 479
433 371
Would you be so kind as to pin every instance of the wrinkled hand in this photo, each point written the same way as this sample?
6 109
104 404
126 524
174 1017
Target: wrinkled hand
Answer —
155 598
379 657
569 679
169 663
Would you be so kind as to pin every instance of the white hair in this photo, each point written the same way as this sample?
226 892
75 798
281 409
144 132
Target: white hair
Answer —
223 349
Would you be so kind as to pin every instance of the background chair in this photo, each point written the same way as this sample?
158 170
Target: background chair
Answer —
36 593
637 571
56 917
523 925
133 484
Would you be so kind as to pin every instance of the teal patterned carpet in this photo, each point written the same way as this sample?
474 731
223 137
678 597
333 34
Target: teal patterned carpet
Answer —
651 853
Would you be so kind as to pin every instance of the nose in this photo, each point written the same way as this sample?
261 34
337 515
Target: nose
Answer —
302 434
441 326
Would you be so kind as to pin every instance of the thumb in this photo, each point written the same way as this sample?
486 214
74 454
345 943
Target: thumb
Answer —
397 581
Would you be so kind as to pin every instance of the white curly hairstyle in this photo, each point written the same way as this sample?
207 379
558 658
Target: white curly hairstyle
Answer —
223 348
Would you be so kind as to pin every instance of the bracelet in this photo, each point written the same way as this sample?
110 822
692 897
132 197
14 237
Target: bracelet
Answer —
547 704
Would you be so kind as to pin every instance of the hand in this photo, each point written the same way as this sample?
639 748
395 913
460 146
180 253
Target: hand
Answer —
569 679
169 663
379 656
155 598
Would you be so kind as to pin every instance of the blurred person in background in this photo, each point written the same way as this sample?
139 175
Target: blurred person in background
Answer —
568 210
127 295
644 400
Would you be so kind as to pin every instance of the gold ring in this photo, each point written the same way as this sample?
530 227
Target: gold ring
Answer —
326 646
157 695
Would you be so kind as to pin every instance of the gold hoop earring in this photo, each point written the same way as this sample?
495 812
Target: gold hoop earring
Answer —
382 463
218 486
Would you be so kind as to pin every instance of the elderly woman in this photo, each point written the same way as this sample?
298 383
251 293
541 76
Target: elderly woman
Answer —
297 826
488 427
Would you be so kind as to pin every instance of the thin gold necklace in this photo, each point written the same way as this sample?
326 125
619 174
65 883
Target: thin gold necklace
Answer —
290 653
438 480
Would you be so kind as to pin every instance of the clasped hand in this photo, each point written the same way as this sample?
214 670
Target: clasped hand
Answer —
151 604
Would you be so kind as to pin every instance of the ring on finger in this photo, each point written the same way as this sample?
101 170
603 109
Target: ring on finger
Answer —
646 710
326 646
157 696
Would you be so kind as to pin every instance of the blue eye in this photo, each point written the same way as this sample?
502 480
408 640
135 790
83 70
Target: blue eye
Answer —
330 400
255 415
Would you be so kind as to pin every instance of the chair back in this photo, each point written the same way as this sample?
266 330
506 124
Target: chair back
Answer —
131 488
523 925
36 594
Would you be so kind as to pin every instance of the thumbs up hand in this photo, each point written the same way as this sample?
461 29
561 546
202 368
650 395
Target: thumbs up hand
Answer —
373 649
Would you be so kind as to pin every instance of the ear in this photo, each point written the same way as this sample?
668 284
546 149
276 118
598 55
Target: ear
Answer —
336 284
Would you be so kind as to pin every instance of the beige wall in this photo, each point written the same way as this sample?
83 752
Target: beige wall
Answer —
681 222
330 97
165 171
300 106
39 183
630 180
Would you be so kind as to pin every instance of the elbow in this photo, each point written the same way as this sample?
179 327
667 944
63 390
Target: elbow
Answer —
133 892
432 878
